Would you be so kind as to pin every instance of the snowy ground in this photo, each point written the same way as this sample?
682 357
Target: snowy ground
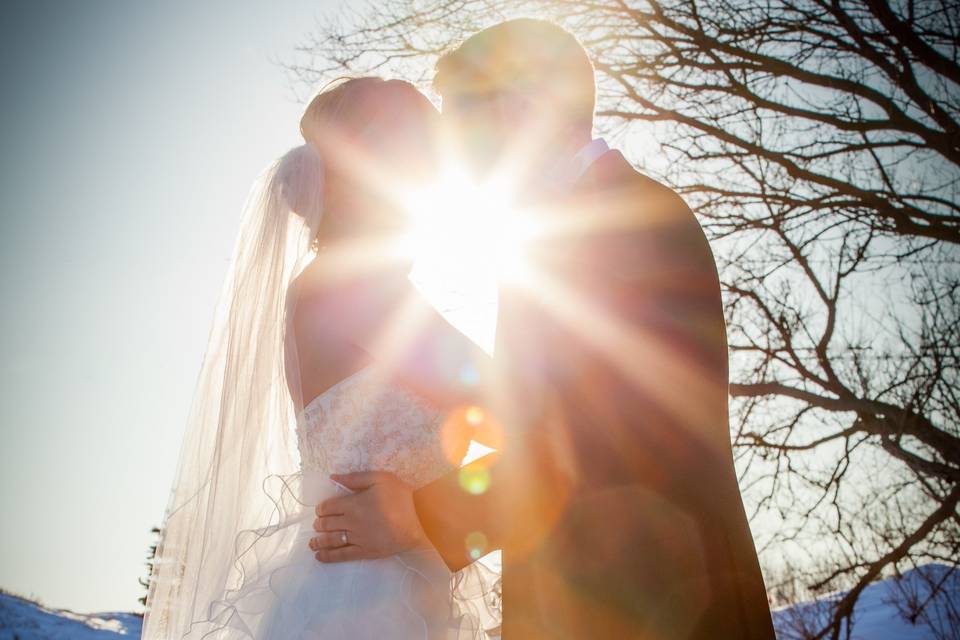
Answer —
875 617
21 619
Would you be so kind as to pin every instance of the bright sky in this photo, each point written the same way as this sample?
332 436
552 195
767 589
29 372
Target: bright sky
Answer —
131 135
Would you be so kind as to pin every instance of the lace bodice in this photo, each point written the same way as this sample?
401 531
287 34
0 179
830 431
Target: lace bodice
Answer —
366 424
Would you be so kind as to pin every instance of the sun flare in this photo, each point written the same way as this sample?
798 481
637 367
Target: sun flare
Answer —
466 238
472 227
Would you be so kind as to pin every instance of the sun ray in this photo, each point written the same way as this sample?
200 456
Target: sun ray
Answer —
660 370
359 257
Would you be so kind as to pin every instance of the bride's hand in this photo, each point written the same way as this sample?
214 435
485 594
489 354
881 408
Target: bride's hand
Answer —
376 521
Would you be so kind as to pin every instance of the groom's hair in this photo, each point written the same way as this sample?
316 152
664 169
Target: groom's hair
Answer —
532 55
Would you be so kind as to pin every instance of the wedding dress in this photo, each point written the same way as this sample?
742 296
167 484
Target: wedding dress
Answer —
359 424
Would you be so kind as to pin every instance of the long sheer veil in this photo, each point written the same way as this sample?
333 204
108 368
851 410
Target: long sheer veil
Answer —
236 481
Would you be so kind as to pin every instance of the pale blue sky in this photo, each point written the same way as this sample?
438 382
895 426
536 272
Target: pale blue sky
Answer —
131 134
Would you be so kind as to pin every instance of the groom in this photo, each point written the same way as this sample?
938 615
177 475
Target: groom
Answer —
614 498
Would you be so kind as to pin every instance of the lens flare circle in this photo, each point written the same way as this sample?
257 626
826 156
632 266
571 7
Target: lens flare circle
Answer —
474 480
474 416
476 544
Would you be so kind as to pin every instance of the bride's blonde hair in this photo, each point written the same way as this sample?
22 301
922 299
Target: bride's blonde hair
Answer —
336 108
339 114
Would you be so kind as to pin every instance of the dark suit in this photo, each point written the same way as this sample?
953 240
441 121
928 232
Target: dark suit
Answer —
614 499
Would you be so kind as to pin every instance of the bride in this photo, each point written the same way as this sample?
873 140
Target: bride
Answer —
322 360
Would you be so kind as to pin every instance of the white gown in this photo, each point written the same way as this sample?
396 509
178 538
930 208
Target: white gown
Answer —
359 424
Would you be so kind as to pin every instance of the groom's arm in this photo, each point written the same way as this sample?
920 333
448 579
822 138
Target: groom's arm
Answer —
503 500
449 515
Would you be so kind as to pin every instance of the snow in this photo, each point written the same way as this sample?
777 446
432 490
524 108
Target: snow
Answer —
875 616
22 619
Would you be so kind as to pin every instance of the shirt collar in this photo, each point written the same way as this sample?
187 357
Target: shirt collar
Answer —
589 154
567 171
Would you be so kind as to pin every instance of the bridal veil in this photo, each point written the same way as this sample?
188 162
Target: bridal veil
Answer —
236 481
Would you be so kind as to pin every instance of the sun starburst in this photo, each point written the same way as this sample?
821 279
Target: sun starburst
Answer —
466 238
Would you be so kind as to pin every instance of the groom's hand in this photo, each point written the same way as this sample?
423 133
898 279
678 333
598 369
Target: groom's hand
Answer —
376 521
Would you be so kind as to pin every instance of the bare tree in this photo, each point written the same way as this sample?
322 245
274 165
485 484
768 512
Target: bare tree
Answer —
818 141
151 558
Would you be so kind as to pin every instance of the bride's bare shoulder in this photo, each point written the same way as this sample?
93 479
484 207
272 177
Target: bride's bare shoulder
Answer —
310 290
347 304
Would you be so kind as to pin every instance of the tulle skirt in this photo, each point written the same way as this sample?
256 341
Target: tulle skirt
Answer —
286 594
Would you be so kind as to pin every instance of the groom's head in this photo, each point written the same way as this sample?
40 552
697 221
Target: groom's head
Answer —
523 82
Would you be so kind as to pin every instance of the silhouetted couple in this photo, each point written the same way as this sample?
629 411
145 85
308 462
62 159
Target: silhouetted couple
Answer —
321 492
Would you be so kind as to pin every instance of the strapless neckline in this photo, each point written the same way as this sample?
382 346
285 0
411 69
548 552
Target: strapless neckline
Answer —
331 390
369 421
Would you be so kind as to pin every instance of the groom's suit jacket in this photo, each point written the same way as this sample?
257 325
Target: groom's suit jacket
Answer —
614 497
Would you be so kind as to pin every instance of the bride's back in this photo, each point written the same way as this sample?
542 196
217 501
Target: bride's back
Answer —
320 334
